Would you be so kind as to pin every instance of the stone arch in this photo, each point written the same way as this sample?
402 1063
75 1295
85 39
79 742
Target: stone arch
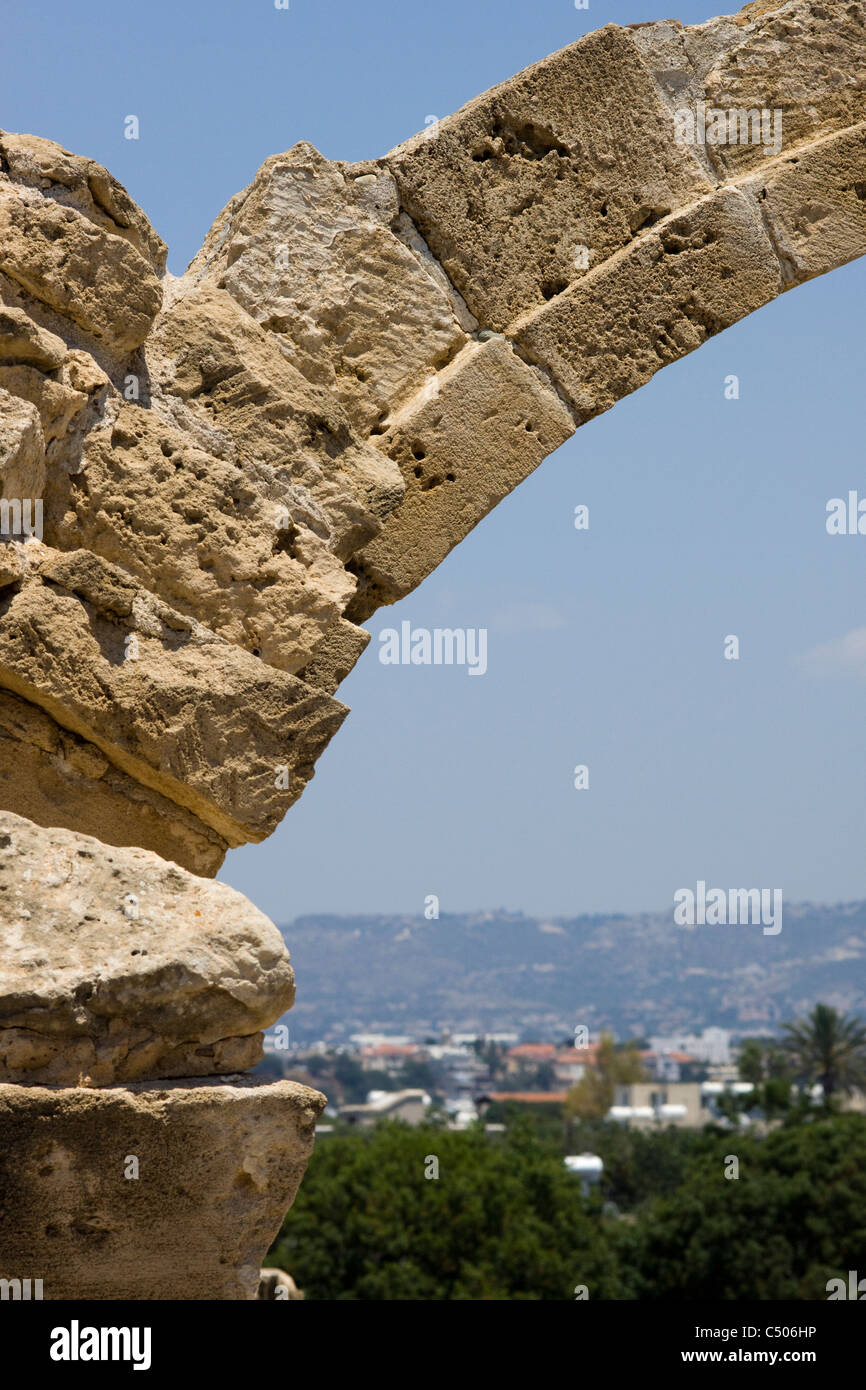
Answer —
239 466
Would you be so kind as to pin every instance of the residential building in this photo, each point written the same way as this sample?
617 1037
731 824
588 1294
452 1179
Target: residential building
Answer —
410 1106
648 1104
712 1046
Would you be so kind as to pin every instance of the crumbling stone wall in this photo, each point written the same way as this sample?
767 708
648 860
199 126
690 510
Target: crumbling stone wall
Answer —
219 477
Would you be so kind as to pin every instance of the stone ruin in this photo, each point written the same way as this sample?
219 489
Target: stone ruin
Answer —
209 484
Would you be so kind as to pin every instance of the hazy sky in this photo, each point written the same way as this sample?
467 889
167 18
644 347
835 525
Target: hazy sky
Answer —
605 647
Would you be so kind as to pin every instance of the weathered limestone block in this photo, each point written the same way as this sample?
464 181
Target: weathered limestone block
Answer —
222 542
56 403
67 387
802 59
491 422
806 59
194 718
814 204
309 253
24 343
695 274
55 778
234 376
14 563
96 279
335 656
22 448
78 182
117 966
575 152
217 1166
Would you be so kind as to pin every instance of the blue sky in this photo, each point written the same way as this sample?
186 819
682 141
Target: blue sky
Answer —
707 516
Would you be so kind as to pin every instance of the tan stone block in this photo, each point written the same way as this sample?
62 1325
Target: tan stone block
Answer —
24 343
194 718
814 203
227 542
22 449
233 376
574 152
490 423
218 1166
335 656
55 778
696 274
98 280
118 966
797 69
312 257
56 403
804 59
78 182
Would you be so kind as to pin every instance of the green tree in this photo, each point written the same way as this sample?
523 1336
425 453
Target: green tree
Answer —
592 1096
504 1219
793 1218
750 1062
830 1048
767 1065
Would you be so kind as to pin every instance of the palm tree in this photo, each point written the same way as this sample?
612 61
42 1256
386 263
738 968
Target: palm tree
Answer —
828 1047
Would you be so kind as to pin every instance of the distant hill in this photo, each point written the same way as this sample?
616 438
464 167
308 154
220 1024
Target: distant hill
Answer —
637 975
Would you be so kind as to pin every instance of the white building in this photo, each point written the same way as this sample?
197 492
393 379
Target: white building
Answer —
713 1046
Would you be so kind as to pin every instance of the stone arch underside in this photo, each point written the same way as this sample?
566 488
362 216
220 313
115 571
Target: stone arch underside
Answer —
234 468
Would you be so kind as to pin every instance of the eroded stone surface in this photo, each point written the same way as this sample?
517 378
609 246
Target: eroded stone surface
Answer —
213 537
24 343
576 152
189 715
814 204
78 182
217 1167
309 253
335 656
115 965
55 778
805 59
22 448
490 423
685 281
61 258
